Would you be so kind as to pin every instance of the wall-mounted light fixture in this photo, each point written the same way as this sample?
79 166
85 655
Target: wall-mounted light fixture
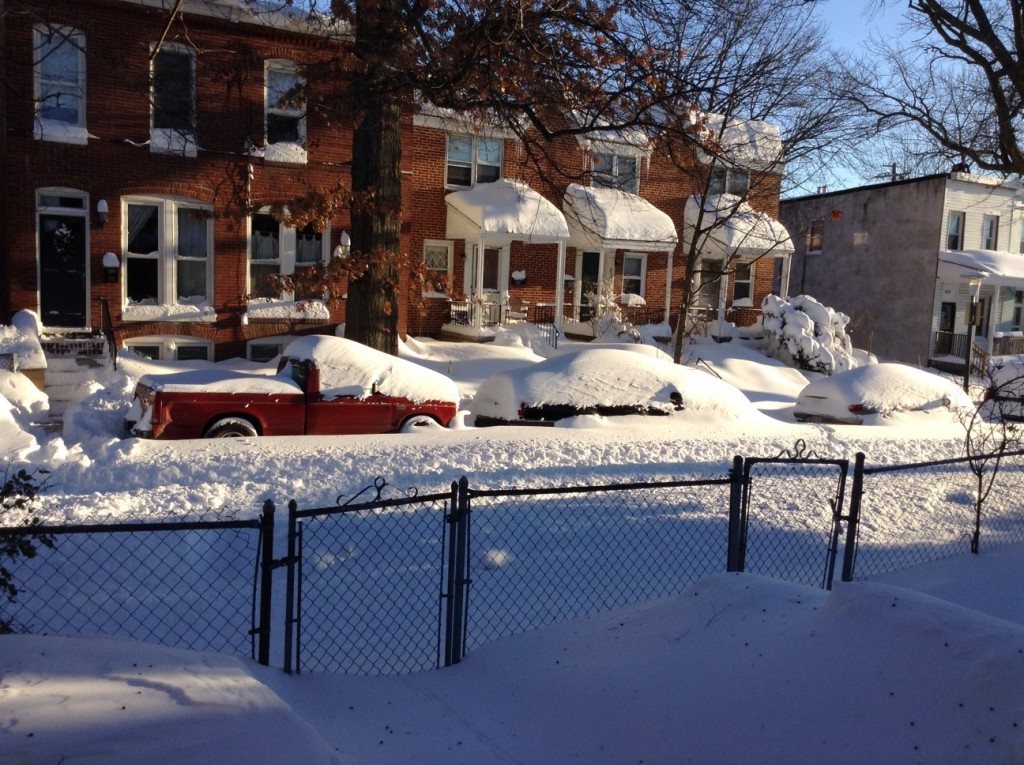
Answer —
102 212
111 265
344 245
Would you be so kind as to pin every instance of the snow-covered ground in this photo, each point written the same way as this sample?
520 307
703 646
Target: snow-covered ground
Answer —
925 665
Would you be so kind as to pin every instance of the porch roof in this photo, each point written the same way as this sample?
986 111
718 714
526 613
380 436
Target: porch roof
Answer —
961 265
504 211
731 226
609 218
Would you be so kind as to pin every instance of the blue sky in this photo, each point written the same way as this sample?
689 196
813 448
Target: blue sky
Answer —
850 22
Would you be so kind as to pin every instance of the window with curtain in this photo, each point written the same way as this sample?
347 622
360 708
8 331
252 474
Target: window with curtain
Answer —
614 171
472 159
633 274
168 252
285 105
277 249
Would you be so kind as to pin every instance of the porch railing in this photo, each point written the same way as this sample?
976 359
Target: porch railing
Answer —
1007 346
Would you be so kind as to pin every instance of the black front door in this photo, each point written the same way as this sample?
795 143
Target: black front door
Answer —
62 262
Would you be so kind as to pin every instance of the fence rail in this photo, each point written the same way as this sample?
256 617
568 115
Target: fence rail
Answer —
397 581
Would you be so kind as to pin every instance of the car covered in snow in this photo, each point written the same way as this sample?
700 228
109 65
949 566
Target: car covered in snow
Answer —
606 381
323 386
1004 394
870 393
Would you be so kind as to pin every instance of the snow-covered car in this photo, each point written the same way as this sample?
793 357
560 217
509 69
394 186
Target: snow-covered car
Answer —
606 381
323 386
866 393
1004 397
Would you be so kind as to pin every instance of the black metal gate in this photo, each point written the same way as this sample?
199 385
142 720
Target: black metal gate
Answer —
367 583
793 531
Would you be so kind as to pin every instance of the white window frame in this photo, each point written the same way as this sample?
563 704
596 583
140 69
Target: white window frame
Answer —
172 140
50 128
286 260
168 346
277 341
436 245
749 267
612 178
642 278
728 180
990 232
169 260
474 163
955 228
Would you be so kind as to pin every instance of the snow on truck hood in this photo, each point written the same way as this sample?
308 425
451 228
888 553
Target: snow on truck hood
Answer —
348 368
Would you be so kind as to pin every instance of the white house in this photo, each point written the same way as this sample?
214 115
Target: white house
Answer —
906 260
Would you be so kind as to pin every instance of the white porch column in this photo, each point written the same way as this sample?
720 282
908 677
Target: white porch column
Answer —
668 287
478 286
560 287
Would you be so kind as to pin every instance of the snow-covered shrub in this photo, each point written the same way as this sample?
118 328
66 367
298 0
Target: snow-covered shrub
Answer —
804 333
608 321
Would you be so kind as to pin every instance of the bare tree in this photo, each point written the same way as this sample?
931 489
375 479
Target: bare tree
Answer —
953 87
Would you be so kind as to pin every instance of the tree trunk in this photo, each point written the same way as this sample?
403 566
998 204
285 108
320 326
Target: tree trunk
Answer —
372 310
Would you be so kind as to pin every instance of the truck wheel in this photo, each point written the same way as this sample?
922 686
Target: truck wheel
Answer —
231 427
420 422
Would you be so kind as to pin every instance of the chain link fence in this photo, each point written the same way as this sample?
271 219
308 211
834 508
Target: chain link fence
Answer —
540 556
893 532
186 585
397 584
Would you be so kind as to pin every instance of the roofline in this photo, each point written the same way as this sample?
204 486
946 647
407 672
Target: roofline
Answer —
867 187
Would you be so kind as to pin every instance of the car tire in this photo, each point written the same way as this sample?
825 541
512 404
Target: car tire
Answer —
419 422
231 427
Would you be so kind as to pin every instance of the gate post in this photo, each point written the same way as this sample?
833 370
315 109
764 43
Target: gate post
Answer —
458 543
289 598
853 519
266 582
733 561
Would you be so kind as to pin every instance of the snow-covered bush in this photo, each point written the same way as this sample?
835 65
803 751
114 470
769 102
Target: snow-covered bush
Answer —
804 333
608 321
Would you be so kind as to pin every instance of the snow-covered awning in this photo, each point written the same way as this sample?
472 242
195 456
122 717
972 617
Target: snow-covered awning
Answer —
730 226
613 219
963 265
503 212
750 144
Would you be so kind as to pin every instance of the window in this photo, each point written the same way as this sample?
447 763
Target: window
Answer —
59 63
173 102
742 285
267 348
1018 311
437 257
634 269
615 171
285 104
990 232
169 252
778 271
171 348
277 249
473 160
729 180
815 237
955 231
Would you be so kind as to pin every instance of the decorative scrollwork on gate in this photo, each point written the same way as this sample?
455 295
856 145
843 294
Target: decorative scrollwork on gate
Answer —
378 488
800 451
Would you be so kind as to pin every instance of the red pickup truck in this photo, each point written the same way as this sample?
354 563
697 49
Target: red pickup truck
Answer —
324 386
